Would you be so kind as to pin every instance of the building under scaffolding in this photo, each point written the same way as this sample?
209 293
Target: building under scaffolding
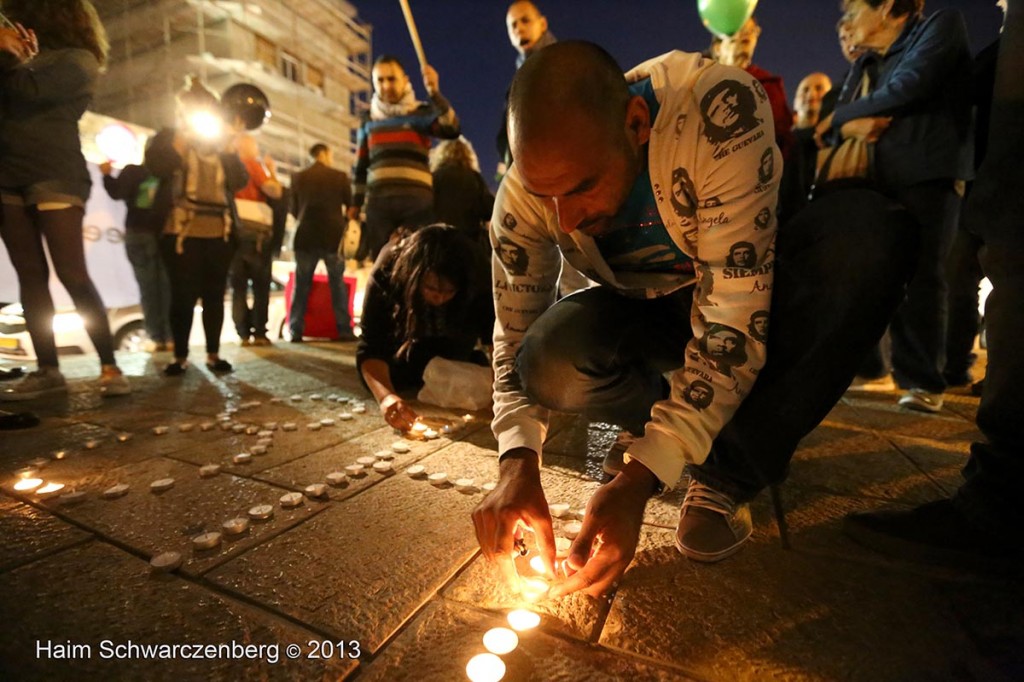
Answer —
311 58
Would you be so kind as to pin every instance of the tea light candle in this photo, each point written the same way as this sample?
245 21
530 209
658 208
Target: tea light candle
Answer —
333 398
345 416
465 485
91 444
290 500
438 479
161 485
265 433
314 426
316 490
534 589
316 396
355 470
185 428
209 470
251 430
366 460
359 409
226 426
265 442
327 421
115 491
206 426
261 512
562 545
400 447
166 562
416 471
238 428
73 497
342 399
27 484
49 489
337 478
384 455
296 398
270 426
258 450
430 434
230 410
572 529
161 430
501 640
289 426
382 467
521 620
236 526
537 566
485 668
488 487
61 454
558 510
276 400
206 541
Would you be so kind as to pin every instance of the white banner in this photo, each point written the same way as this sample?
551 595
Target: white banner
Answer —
103 236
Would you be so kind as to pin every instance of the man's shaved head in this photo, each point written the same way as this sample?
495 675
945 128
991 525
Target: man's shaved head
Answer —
560 83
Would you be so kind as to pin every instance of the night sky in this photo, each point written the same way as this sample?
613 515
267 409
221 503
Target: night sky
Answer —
466 41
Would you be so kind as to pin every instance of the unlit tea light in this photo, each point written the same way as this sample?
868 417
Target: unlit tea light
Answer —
161 430
316 490
465 485
558 510
258 450
366 460
236 526
337 478
438 479
261 512
289 426
115 491
185 428
355 470
209 470
161 485
327 421
206 541
501 640
91 444
168 561
242 458
382 467
400 447
384 455
290 500
572 529
206 426
345 416
314 426
416 471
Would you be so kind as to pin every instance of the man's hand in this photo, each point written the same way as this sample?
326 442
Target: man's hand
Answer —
866 129
106 167
819 131
611 529
430 81
518 499
397 413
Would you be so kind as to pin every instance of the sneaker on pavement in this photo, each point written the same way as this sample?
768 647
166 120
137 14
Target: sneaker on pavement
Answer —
921 400
261 341
37 384
113 383
937 534
711 526
879 385
613 461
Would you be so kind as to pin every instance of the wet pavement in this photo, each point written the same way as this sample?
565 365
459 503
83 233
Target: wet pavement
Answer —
378 576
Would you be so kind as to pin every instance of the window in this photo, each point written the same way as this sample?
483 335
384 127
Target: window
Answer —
266 52
291 68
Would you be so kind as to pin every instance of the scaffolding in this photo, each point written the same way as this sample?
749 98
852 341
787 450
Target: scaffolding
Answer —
311 57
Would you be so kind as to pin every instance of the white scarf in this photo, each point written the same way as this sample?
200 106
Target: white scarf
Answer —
381 110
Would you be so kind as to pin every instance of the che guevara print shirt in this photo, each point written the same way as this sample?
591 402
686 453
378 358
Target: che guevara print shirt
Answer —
714 174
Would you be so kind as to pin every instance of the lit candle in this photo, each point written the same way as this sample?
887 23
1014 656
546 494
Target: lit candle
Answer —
121 438
537 564
485 668
27 484
521 620
534 589
501 640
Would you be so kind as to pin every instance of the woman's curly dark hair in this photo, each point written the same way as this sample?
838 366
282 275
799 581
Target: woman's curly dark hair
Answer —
446 252
61 24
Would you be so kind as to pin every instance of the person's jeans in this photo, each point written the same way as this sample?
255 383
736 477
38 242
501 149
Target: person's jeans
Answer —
841 269
250 263
143 250
386 214
305 265
964 279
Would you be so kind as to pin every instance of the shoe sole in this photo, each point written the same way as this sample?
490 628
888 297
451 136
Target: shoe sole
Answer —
18 397
706 558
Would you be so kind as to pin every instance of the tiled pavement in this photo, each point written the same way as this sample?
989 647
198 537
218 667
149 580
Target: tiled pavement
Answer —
386 566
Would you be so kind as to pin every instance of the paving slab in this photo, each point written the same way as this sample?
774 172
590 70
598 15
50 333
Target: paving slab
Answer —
51 604
29 533
438 644
765 614
886 416
363 567
152 523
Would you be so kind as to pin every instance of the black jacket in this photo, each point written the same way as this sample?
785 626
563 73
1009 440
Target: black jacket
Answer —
125 187
462 199
319 195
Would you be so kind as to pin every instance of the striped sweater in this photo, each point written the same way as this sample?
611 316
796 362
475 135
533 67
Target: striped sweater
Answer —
392 158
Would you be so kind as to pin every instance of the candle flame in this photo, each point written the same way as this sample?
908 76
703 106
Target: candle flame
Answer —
485 668
501 640
28 484
522 619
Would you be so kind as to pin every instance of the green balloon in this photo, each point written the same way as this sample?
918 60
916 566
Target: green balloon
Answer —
725 17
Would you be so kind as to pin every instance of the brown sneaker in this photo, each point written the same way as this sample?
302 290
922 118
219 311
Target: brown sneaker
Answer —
711 526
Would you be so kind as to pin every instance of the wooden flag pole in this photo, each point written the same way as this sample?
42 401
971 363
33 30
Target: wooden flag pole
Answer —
410 23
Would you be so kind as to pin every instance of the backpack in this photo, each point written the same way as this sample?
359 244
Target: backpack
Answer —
200 205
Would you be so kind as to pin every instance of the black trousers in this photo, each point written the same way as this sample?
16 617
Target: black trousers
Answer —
199 273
